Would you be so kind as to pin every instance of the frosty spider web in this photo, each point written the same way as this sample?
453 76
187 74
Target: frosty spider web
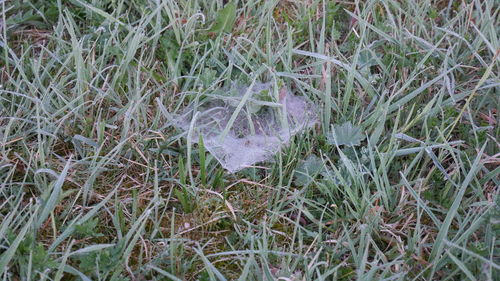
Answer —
257 132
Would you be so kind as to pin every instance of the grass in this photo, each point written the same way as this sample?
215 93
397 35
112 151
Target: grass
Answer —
97 184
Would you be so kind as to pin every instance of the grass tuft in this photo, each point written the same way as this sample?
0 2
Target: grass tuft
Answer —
398 181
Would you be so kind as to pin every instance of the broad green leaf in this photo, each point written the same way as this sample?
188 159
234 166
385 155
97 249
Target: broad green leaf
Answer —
308 170
225 19
346 134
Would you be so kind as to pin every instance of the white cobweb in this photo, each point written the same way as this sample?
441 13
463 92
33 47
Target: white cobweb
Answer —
265 122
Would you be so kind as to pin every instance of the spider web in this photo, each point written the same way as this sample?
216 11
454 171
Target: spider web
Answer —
259 130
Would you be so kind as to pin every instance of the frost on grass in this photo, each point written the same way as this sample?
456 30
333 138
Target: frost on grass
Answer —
242 126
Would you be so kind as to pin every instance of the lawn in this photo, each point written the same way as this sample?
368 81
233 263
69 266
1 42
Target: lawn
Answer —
396 177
